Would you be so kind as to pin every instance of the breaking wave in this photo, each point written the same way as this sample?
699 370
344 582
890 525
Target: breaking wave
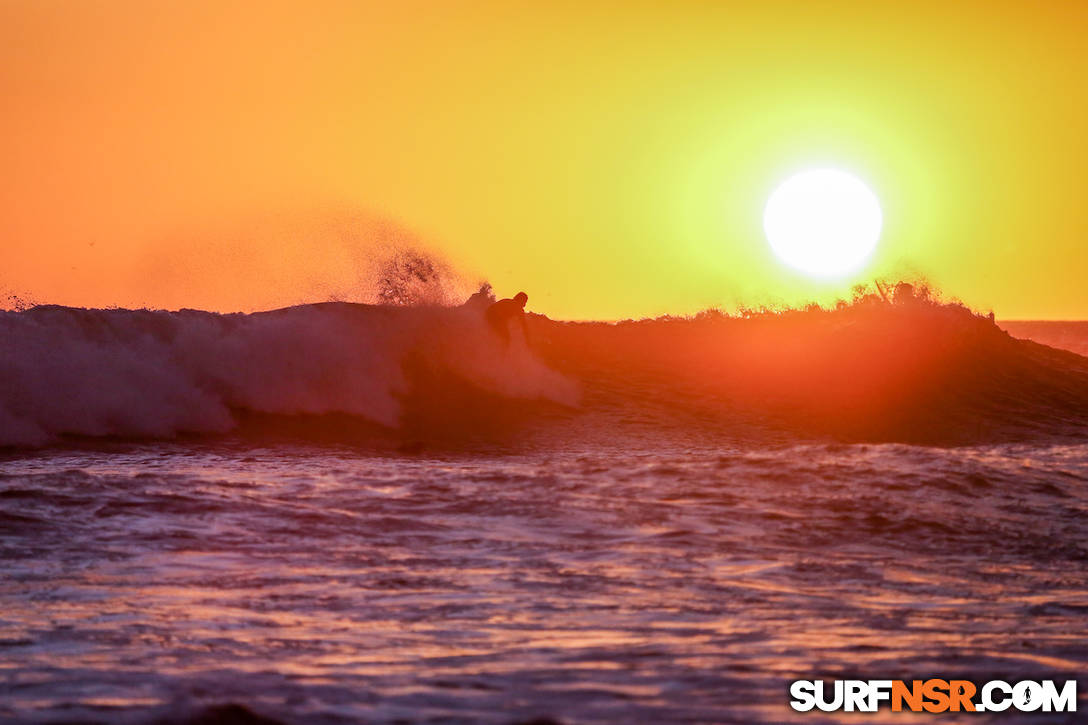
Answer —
914 372
138 373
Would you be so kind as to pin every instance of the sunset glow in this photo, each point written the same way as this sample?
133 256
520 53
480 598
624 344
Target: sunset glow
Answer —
611 161
510 363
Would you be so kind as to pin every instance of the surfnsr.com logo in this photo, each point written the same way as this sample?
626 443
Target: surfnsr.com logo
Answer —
933 695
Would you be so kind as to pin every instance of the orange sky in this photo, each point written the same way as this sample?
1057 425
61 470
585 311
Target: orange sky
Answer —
612 159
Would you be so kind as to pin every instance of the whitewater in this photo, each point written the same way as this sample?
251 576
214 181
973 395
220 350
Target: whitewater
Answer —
126 373
342 513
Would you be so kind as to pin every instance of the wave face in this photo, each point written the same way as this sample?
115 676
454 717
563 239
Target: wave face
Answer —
910 373
914 372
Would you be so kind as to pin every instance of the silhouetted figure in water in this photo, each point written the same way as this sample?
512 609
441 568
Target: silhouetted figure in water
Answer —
481 299
504 312
904 294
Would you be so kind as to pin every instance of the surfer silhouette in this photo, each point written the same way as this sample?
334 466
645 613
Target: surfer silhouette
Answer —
502 314
481 299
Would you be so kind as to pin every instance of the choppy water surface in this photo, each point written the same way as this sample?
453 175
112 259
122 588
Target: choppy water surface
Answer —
316 585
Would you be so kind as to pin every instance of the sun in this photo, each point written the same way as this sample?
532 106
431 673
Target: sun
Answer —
823 222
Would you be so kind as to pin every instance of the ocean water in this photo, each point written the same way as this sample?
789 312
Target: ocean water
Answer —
340 514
